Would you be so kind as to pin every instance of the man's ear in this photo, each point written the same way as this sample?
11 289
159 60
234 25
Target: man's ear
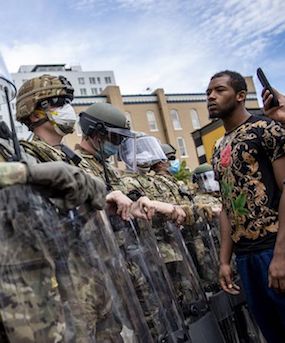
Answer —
241 96
35 117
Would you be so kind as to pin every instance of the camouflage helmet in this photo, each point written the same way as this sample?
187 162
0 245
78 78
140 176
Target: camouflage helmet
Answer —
101 117
204 176
35 90
203 168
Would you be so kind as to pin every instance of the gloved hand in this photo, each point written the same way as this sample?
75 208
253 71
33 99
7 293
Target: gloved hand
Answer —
69 183
12 173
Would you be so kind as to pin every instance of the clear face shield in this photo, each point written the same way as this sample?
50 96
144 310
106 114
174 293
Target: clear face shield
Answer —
7 88
207 182
114 137
142 153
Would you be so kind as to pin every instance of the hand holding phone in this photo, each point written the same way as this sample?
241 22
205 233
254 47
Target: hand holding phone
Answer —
266 85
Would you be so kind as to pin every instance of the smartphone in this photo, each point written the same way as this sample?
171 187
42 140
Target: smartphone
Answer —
263 80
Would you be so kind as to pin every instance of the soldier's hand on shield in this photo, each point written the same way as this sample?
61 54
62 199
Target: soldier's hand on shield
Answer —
122 203
143 208
175 213
12 173
204 211
276 113
226 279
178 215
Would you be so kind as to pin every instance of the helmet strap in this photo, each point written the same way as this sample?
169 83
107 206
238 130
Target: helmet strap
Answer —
38 123
107 179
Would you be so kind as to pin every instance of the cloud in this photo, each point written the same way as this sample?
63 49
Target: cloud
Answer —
173 44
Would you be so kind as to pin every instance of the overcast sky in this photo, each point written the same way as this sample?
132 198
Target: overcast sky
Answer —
172 44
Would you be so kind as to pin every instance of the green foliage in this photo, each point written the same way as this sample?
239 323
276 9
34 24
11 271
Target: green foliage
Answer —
183 174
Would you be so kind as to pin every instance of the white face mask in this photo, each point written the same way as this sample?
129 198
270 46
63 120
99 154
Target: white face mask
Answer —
63 118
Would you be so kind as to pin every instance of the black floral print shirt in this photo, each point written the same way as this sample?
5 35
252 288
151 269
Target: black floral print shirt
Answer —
243 166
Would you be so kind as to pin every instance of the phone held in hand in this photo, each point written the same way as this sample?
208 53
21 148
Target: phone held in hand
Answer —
265 83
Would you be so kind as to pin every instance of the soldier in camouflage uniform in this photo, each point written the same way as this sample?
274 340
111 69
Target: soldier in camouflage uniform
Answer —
28 276
43 104
30 301
199 237
104 128
207 193
159 187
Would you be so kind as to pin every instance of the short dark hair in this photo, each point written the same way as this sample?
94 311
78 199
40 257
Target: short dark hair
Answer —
237 81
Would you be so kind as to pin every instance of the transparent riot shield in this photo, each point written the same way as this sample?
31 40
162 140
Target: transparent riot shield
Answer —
6 81
188 287
113 309
30 301
150 279
202 241
181 268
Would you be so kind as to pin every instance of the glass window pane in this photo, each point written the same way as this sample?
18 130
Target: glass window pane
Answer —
175 120
81 80
182 146
151 121
195 119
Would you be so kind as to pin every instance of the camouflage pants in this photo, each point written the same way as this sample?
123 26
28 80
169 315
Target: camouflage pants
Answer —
30 305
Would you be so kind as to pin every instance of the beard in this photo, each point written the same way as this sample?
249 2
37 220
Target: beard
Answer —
225 112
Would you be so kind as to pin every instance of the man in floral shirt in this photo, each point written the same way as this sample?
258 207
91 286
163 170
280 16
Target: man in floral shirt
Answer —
249 164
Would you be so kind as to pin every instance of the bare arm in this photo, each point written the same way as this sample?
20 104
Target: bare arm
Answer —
276 273
225 273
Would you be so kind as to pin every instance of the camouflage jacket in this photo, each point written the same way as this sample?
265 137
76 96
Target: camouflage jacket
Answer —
158 187
96 167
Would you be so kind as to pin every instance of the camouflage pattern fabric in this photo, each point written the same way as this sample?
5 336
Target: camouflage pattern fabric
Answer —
30 303
162 188
136 263
40 88
84 318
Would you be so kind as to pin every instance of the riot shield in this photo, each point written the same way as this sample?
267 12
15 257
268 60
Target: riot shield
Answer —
114 305
188 286
150 279
30 302
181 268
6 81
202 241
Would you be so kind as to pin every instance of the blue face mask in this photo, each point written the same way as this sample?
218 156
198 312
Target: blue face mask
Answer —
174 166
110 149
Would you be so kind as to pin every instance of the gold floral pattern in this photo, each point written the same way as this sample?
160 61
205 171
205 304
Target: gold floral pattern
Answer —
243 166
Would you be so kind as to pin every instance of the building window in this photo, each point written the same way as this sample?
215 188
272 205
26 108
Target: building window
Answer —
81 80
100 90
182 146
128 115
83 91
92 80
94 91
195 119
151 121
175 120
108 79
98 80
